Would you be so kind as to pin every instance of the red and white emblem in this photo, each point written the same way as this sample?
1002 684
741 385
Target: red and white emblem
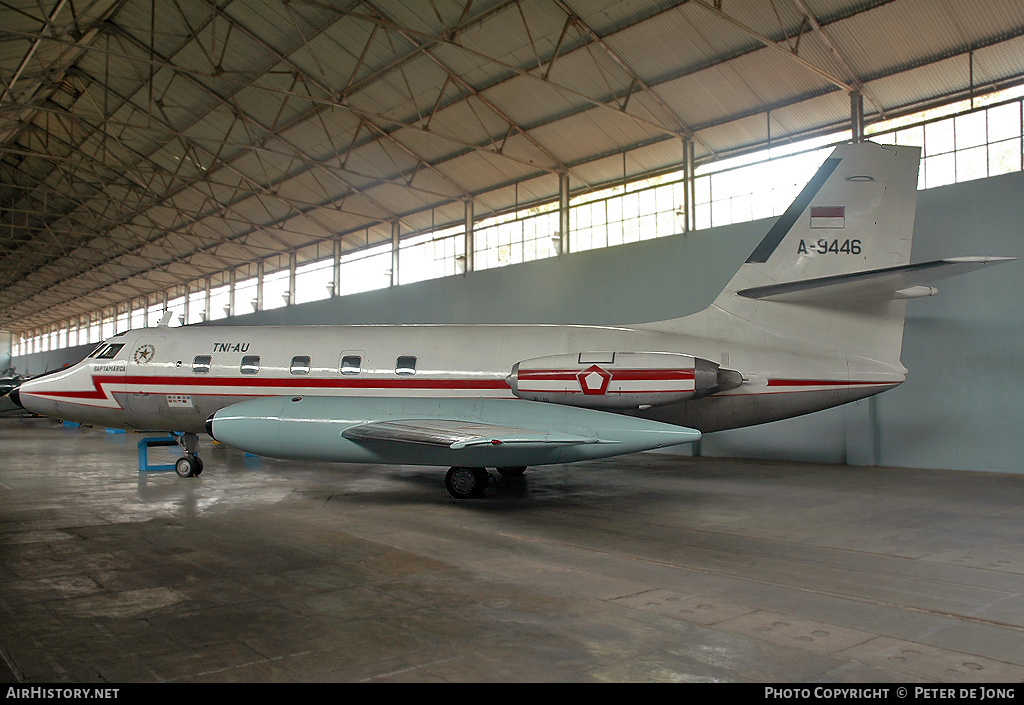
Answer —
594 380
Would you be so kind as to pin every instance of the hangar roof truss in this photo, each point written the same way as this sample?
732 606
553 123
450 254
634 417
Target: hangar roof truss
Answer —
146 144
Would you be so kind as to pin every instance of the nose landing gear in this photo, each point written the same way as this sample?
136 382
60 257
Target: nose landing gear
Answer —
190 464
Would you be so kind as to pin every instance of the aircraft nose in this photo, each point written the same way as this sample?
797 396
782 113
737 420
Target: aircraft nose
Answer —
15 397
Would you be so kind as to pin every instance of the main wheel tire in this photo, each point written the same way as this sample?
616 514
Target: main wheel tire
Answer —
512 472
466 483
186 467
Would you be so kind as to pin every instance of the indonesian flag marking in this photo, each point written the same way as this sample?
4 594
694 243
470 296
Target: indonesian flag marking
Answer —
829 217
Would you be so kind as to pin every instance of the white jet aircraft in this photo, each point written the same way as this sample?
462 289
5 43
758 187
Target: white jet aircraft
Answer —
813 319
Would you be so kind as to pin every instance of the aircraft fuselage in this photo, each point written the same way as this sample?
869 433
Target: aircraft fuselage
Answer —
175 378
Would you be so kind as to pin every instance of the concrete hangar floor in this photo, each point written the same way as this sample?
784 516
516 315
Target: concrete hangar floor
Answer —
643 568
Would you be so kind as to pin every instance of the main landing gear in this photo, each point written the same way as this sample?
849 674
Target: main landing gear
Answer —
190 464
470 483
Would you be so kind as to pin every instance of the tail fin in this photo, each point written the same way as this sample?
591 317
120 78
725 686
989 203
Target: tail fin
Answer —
855 216
832 275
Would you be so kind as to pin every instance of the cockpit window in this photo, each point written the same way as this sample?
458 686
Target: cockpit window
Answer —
110 351
300 365
406 365
250 364
201 364
97 349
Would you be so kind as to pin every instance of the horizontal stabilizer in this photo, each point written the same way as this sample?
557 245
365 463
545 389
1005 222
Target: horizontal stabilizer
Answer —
444 433
906 281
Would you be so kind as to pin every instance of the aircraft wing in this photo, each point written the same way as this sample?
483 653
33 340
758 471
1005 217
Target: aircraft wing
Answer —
903 282
448 433
486 432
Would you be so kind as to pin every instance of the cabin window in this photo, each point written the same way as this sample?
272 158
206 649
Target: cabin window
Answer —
406 365
250 364
201 364
109 352
351 364
300 365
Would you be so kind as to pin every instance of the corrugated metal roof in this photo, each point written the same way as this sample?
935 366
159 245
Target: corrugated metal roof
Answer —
141 153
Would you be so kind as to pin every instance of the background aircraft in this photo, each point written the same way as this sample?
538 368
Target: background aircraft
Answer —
813 319
9 381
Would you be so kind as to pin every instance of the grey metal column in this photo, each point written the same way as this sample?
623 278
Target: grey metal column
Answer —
206 308
469 242
395 232
692 186
337 267
259 285
292 259
563 212
857 116
232 280
689 192
6 348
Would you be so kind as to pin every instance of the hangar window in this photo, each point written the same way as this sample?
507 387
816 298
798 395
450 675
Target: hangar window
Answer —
300 365
434 254
250 364
405 365
314 281
960 141
351 364
109 352
201 364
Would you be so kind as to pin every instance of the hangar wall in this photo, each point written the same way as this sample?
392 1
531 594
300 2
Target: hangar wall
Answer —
6 346
959 409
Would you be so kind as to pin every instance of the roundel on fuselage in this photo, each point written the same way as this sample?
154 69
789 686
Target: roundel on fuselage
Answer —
143 354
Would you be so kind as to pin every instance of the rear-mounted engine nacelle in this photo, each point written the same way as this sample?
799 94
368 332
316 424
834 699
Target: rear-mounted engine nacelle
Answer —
619 380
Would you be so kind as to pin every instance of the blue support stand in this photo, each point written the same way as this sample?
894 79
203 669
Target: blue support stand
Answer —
144 446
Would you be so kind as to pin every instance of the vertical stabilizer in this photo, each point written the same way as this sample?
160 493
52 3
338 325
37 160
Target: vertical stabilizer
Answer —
855 215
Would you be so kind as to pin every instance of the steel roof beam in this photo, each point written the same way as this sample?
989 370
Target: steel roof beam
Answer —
717 11
858 85
637 79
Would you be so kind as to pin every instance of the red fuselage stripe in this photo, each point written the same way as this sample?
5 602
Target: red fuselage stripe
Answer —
200 384
262 382
618 375
304 382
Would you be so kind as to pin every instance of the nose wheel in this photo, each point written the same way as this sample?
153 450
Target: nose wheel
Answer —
190 464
